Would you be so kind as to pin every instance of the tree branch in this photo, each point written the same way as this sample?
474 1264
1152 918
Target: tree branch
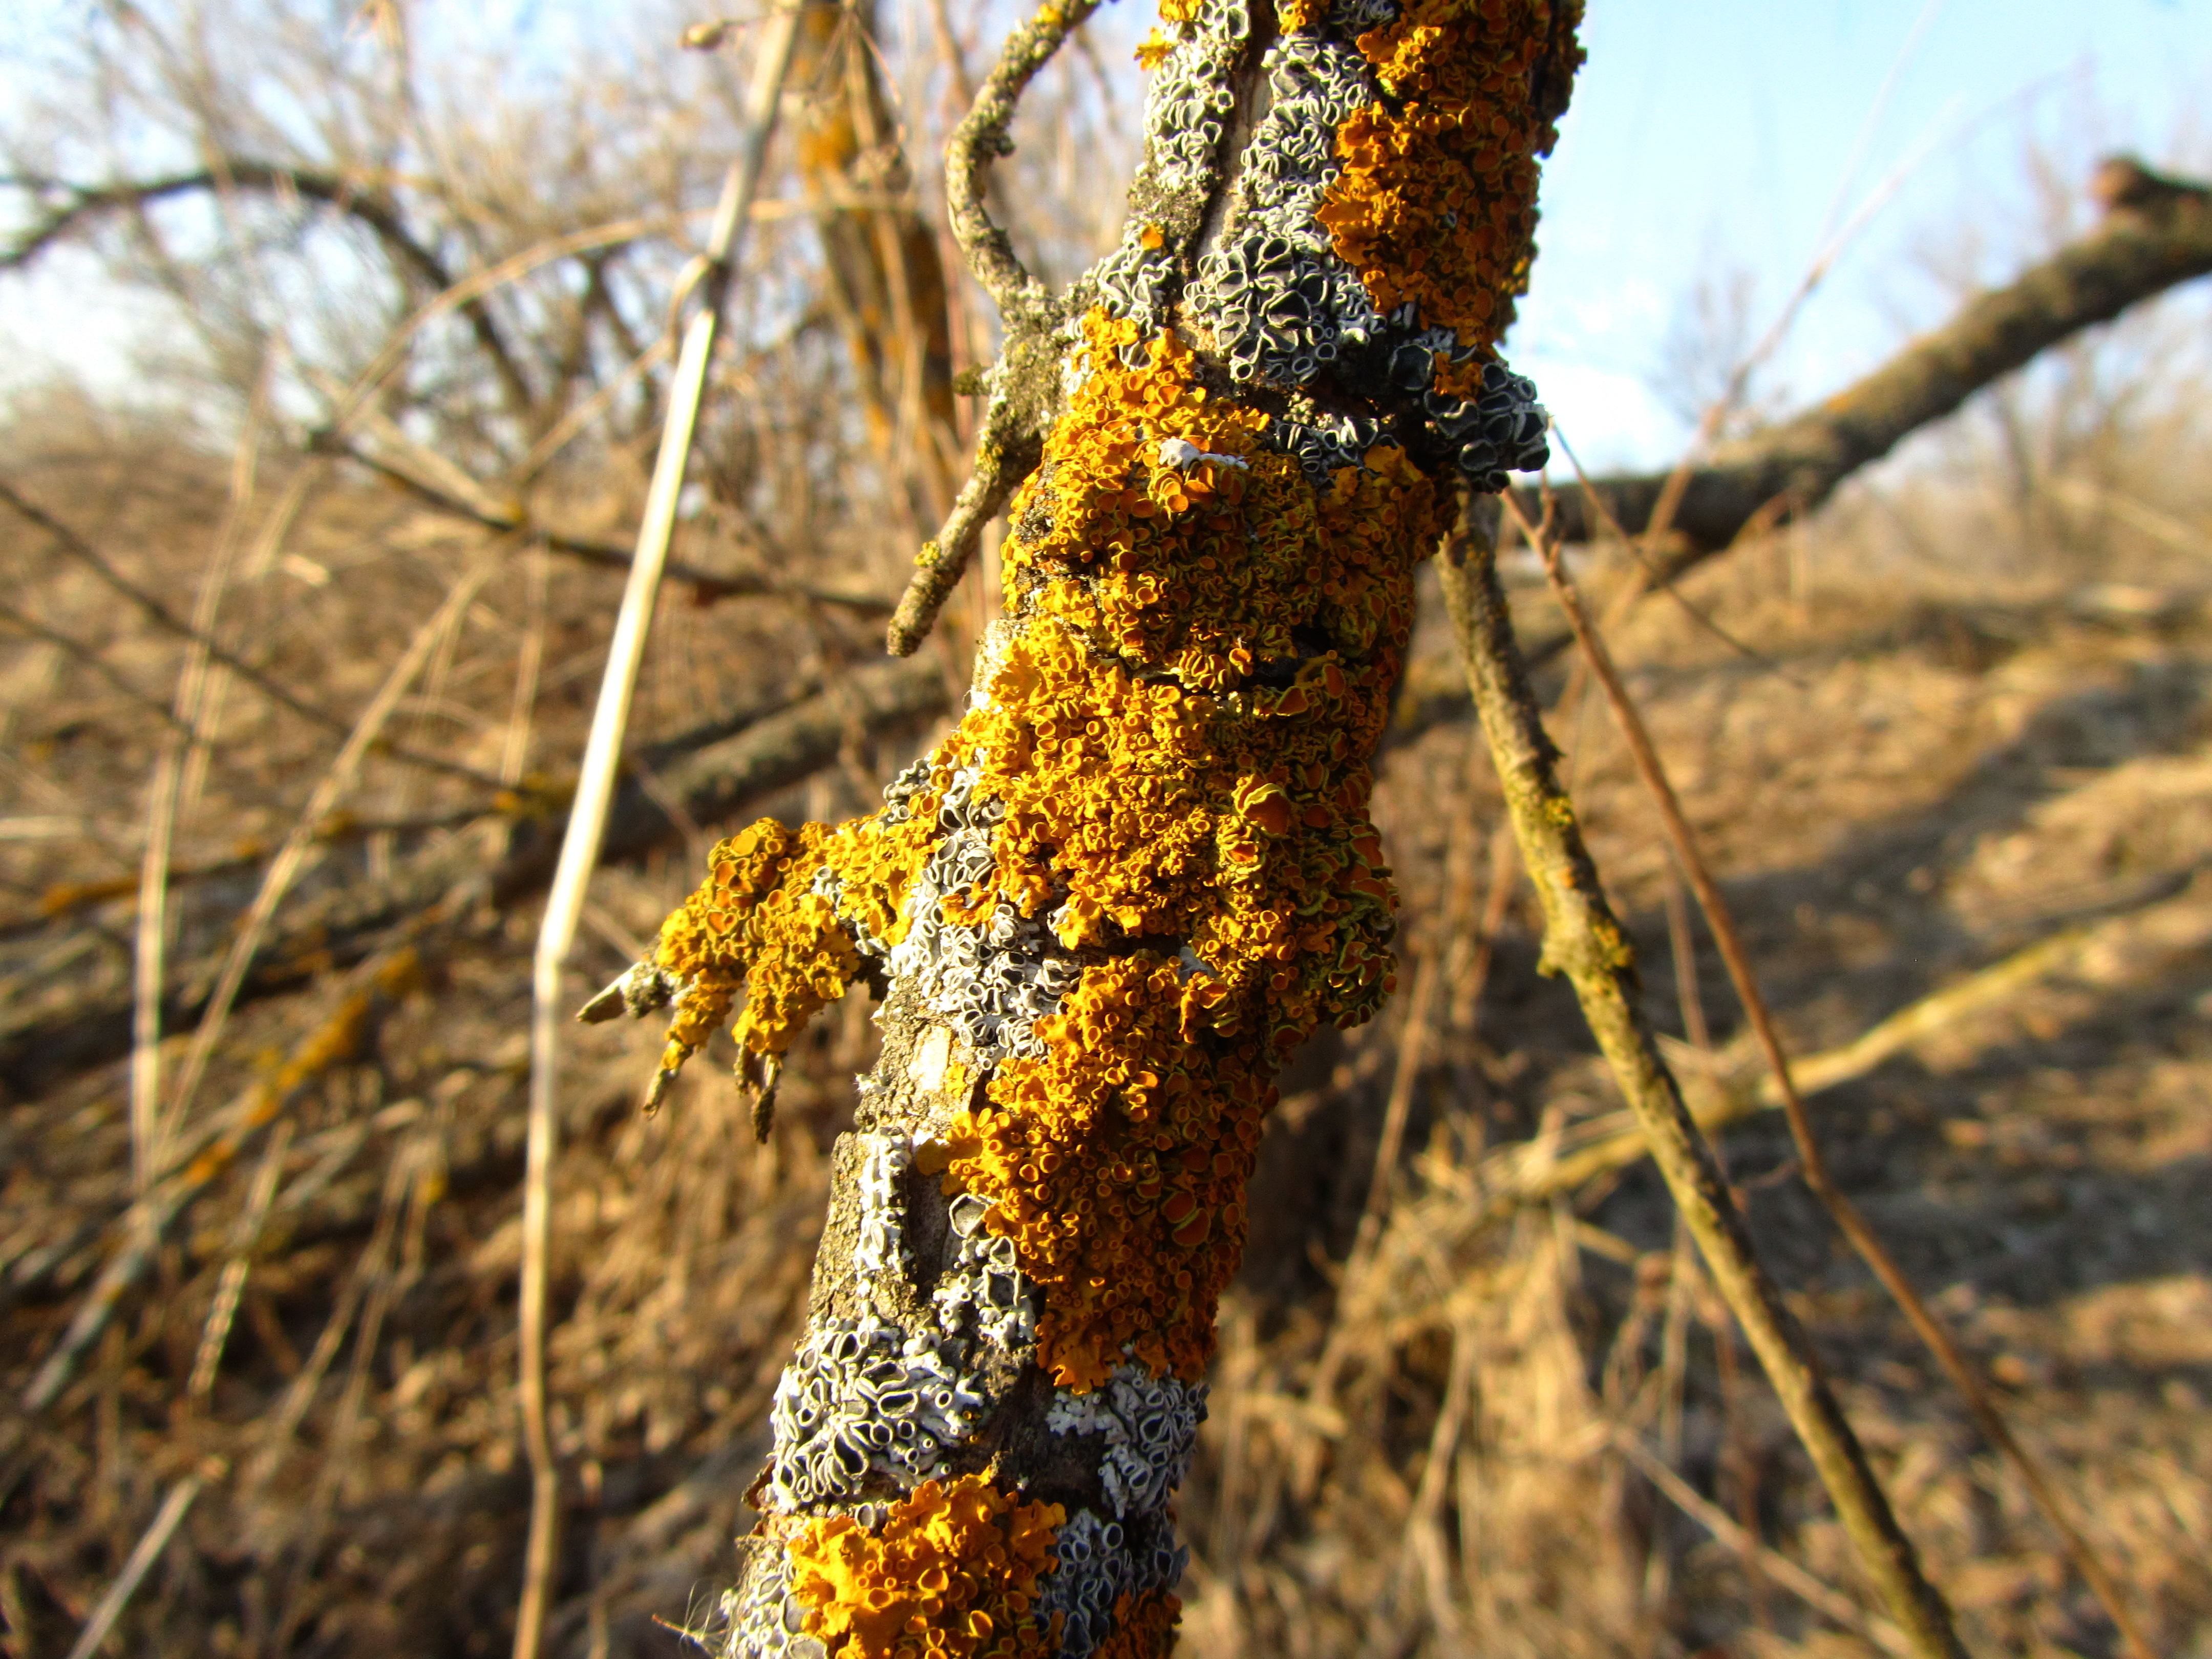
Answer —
350 196
1584 940
980 138
2156 235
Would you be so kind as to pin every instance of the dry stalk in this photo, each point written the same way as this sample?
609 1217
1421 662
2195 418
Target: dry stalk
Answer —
595 787
167 1519
1813 1163
1583 940
330 788
179 757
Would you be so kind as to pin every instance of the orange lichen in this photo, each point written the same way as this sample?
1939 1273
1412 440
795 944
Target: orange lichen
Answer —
1296 16
1179 739
757 923
953 1571
1118 1163
1436 202
1144 1626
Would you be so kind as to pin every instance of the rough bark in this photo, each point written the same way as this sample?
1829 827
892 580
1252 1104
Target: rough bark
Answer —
1140 871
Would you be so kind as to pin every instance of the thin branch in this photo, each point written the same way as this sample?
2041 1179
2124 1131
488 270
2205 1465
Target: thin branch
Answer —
980 138
587 816
1583 940
463 498
1811 1160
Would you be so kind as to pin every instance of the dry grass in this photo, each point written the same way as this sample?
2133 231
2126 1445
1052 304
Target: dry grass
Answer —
1982 710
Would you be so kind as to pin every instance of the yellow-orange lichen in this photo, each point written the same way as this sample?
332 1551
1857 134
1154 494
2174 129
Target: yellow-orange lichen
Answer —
1117 1165
757 923
1144 1626
1436 202
952 1572
1179 739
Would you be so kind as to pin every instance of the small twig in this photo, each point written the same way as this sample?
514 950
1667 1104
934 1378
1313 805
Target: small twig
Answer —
1009 445
478 508
1821 1597
1818 1176
167 1520
587 816
999 468
1585 940
980 138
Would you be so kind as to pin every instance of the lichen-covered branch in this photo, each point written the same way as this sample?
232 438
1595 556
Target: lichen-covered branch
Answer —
1584 940
1140 871
980 138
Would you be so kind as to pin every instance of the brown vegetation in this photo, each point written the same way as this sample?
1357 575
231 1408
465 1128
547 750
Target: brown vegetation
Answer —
1956 790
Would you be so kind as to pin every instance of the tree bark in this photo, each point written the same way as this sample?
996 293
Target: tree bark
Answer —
1139 872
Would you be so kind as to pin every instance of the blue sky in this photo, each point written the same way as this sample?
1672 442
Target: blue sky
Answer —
1714 138
1716 141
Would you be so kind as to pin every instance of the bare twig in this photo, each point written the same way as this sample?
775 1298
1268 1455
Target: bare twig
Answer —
980 138
587 818
1583 940
1002 460
1811 1160
464 498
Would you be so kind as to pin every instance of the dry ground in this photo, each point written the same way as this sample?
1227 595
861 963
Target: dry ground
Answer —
1916 775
